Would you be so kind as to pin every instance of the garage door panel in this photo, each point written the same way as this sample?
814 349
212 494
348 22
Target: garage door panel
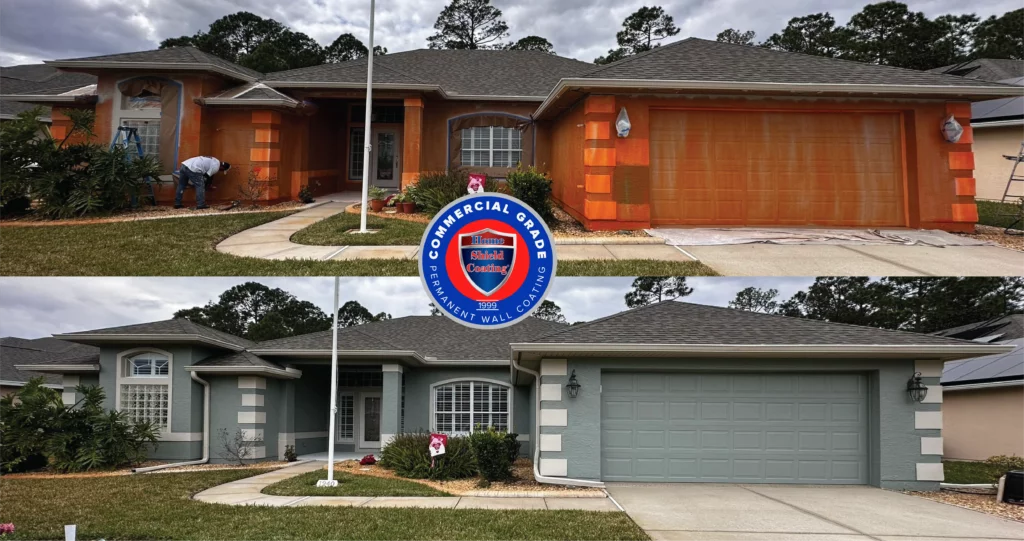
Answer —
782 428
758 156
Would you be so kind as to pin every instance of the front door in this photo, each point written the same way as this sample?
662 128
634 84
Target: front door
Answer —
369 431
385 159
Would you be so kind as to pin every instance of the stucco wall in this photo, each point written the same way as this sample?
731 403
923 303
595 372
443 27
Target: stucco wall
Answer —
434 148
896 457
980 423
991 170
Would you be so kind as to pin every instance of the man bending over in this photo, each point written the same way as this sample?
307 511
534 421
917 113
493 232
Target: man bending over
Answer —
198 171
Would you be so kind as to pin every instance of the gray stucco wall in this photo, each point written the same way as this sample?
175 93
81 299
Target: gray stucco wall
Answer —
896 445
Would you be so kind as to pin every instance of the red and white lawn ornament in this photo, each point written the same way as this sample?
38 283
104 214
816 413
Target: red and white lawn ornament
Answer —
476 183
438 442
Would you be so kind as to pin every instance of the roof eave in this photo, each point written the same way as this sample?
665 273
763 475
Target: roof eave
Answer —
278 373
412 356
947 353
59 368
51 98
86 338
1019 381
976 124
351 85
13 383
169 66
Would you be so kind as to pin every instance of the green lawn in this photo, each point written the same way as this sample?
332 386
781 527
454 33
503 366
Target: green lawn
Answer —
158 506
185 247
349 485
969 472
331 232
994 213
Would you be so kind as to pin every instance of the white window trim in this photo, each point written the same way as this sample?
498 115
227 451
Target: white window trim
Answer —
122 359
490 147
433 399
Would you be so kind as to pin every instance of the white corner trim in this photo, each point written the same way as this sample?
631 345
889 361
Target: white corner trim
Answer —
934 395
555 467
551 392
553 367
931 368
551 442
251 382
181 436
252 417
253 434
931 446
391 368
68 398
385 439
252 399
930 472
928 420
554 417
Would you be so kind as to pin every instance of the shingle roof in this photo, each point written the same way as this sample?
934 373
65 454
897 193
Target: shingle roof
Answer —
171 55
694 59
987 369
239 358
349 338
168 327
674 322
10 109
35 79
21 351
1001 329
985 69
458 72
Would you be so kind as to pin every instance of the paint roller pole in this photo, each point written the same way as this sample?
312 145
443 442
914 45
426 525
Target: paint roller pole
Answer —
330 482
366 125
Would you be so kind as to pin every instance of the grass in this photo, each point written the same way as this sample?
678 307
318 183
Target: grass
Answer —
185 247
996 214
349 485
158 506
331 232
969 472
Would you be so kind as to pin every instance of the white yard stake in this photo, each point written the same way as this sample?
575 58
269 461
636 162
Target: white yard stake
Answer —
330 481
366 125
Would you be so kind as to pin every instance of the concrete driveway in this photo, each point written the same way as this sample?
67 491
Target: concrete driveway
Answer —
712 512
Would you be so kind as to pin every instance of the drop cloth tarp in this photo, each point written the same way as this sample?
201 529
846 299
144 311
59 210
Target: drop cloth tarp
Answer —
725 236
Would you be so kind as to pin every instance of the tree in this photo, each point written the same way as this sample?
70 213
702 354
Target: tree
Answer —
753 299
257 312
434 310
815 34
468 24
352 313
346 47
652 289
846 299
550 311
731 35
888 33
532 43
614 55
955 38
1000 37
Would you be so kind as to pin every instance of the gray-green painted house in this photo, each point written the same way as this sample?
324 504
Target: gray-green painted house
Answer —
672 392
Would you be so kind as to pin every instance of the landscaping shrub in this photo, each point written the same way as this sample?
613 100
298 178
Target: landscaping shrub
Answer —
491 450
514 445
408 456
289 453
67 179
1001 464
435 190
36 428
367 460
533 188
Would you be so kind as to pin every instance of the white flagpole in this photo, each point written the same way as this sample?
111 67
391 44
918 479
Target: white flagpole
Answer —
366 125
334 391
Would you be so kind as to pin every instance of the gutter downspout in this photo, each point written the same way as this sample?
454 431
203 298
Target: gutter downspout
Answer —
536 447
206 432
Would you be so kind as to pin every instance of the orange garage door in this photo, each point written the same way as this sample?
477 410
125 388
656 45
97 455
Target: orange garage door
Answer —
776 168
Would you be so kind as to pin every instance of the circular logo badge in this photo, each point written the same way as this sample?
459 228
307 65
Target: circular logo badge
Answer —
487 260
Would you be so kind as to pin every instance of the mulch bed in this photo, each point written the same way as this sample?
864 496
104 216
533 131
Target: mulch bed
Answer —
976 501
997 235
144 213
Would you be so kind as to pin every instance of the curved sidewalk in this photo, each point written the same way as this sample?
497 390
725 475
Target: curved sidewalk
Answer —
248 492
273 241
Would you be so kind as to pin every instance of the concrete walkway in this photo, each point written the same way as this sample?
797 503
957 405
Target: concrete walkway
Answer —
248 492
714 512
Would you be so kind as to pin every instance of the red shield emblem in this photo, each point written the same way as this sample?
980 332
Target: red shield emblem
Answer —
487 258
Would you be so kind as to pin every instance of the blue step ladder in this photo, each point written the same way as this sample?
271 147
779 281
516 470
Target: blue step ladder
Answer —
124 138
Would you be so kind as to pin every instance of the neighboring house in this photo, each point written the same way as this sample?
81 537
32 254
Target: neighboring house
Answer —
16 351
36 78
672 392
721 134
998 125
983 412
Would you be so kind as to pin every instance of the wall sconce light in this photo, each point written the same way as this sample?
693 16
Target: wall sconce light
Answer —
916 388
573 386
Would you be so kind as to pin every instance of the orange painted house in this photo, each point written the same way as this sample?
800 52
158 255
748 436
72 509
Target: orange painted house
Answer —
720 134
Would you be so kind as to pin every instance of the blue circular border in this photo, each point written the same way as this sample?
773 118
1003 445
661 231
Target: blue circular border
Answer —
509 304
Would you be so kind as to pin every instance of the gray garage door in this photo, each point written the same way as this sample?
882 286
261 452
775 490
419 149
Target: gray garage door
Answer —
738 428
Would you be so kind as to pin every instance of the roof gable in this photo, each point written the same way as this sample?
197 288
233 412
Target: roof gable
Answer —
180 58
170 328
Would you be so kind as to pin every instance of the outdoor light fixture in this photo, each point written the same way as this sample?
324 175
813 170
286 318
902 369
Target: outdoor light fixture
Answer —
916 388
573 385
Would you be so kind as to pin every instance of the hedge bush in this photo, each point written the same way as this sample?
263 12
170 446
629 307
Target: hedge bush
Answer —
533 188
491 450
408 456
514 445
1001 464
435 190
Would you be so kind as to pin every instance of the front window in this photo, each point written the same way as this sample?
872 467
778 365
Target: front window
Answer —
345 417
461 407
149 136
148 365
355 154
145 388
491 146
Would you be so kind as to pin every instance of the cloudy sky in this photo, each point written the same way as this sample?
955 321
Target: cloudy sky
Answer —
35 307
35 30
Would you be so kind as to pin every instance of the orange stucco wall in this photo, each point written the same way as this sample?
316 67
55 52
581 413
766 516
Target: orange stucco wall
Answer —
436 113
980 423
567 161
935 198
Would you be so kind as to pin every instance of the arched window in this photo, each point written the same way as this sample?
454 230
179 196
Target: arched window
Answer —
460 407
144 387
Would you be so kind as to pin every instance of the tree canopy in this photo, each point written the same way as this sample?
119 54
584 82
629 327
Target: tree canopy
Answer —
753 299
532 43
352 313
731 35
469 24
550 311
640 32
651 289
257 312
348 47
